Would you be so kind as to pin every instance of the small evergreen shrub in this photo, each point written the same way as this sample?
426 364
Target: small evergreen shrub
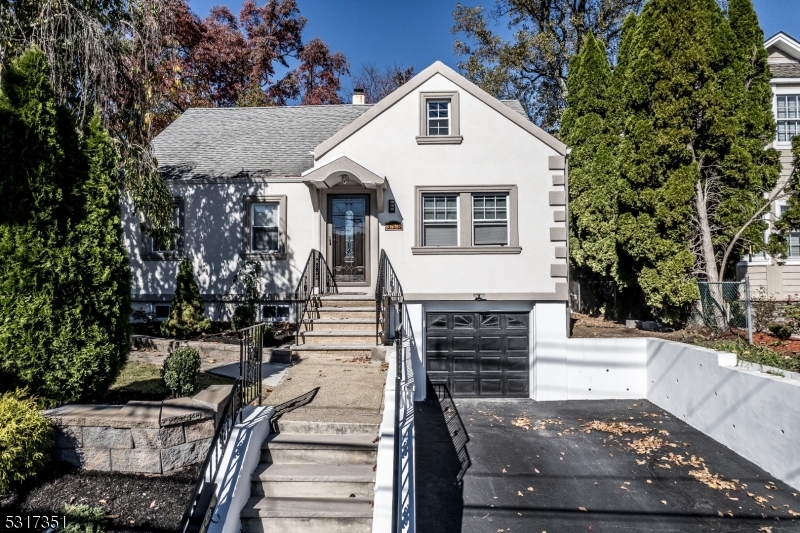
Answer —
781 330
248 282
24 438
244 316
187 316
83 519
180 371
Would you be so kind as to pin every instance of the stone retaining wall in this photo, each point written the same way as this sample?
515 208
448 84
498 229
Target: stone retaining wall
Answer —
165 346
144 437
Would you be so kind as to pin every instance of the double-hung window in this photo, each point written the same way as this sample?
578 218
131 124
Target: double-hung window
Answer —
167 241
440 220
788 117
793 248
490 219
438 117
265 229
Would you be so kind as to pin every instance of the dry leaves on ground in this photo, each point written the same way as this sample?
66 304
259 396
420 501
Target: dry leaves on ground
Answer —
617 428
712 480
522 422
648 445
680 460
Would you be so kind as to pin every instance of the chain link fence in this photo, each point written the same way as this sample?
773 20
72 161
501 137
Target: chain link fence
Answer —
723 306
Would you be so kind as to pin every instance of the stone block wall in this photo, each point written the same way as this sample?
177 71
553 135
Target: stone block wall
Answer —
143 437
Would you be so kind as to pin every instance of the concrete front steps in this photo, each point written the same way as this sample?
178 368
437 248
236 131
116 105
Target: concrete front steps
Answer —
338 325
318 478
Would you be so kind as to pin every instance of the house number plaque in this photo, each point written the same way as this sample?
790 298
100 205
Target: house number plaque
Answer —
394 226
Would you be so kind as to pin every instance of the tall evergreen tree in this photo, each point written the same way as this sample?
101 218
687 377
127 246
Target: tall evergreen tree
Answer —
588 126
64 282
692 154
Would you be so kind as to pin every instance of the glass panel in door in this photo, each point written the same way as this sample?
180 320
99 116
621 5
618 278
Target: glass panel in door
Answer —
348 239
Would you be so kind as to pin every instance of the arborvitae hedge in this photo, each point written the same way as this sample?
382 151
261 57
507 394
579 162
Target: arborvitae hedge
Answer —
64 277
187 316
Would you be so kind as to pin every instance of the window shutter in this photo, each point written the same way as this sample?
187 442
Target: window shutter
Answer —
441 235
486 234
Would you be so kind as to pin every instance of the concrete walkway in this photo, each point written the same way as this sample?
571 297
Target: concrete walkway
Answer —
332 390
532 467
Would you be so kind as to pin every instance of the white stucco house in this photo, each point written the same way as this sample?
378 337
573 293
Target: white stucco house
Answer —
465 195
768 276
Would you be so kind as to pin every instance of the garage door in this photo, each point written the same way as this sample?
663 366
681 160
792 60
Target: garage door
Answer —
478 354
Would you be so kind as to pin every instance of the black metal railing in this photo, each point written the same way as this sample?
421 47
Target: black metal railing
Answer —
316 275
198 513
251 355
388 302
402 490
245 391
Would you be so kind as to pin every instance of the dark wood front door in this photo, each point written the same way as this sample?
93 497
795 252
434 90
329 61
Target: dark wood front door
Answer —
349 218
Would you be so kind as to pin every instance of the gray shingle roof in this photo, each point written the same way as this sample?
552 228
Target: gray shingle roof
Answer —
785 70
251 141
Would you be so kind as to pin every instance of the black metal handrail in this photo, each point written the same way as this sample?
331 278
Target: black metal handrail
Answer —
388 295
316 275
198 513
246 390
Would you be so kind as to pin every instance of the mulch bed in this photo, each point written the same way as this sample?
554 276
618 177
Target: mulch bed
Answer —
220 332
131 502
788 347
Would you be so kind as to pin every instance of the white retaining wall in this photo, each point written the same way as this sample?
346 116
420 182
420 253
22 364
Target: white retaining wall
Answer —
753 413
599 369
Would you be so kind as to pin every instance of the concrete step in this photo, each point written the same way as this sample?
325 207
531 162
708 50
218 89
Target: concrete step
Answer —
327 428
325 312
337 337
319 449
345 300
298 480
340 324
332 350
304 515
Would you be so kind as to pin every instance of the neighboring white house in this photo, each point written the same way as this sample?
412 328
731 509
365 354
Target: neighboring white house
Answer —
463 192
766 274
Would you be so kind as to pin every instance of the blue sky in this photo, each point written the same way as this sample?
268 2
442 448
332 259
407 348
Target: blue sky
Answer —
417 32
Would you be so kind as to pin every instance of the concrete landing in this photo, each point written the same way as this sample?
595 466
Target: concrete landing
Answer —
346 390
272 374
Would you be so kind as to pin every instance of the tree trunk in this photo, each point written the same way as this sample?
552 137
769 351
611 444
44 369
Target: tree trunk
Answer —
706 244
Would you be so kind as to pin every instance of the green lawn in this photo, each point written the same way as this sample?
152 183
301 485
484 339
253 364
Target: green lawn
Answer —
142 381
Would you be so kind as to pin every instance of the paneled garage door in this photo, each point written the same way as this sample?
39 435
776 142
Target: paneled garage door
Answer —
478 354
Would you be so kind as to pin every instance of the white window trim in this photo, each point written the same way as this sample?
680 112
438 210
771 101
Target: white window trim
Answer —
487 221
253 226
776 92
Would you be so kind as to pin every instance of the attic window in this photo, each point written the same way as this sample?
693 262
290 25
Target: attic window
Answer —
439 121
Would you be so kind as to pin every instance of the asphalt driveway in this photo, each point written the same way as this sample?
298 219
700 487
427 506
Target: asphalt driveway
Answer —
525 466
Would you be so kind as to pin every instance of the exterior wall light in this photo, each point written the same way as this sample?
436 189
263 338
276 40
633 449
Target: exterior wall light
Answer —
345 179
479 297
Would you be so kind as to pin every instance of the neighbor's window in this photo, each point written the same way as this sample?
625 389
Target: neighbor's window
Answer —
793 248
438 117
168 242
275 313
264 234
788 117
490 219
440 220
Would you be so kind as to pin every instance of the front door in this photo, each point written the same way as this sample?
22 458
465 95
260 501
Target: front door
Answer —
348 234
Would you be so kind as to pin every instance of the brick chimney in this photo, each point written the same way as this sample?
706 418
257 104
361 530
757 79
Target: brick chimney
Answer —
358 96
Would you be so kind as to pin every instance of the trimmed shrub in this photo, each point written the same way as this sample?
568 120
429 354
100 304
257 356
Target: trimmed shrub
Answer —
187 316
781 330
83 519
24 439
180 371
65 281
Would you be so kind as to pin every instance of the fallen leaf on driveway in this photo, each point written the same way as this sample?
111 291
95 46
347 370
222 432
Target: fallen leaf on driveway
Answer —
152 504
623 487
582 509
616 428
794 514
536 470
519 493
766 529
504 470
712 480
664 502
522 422
648 481
530 489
